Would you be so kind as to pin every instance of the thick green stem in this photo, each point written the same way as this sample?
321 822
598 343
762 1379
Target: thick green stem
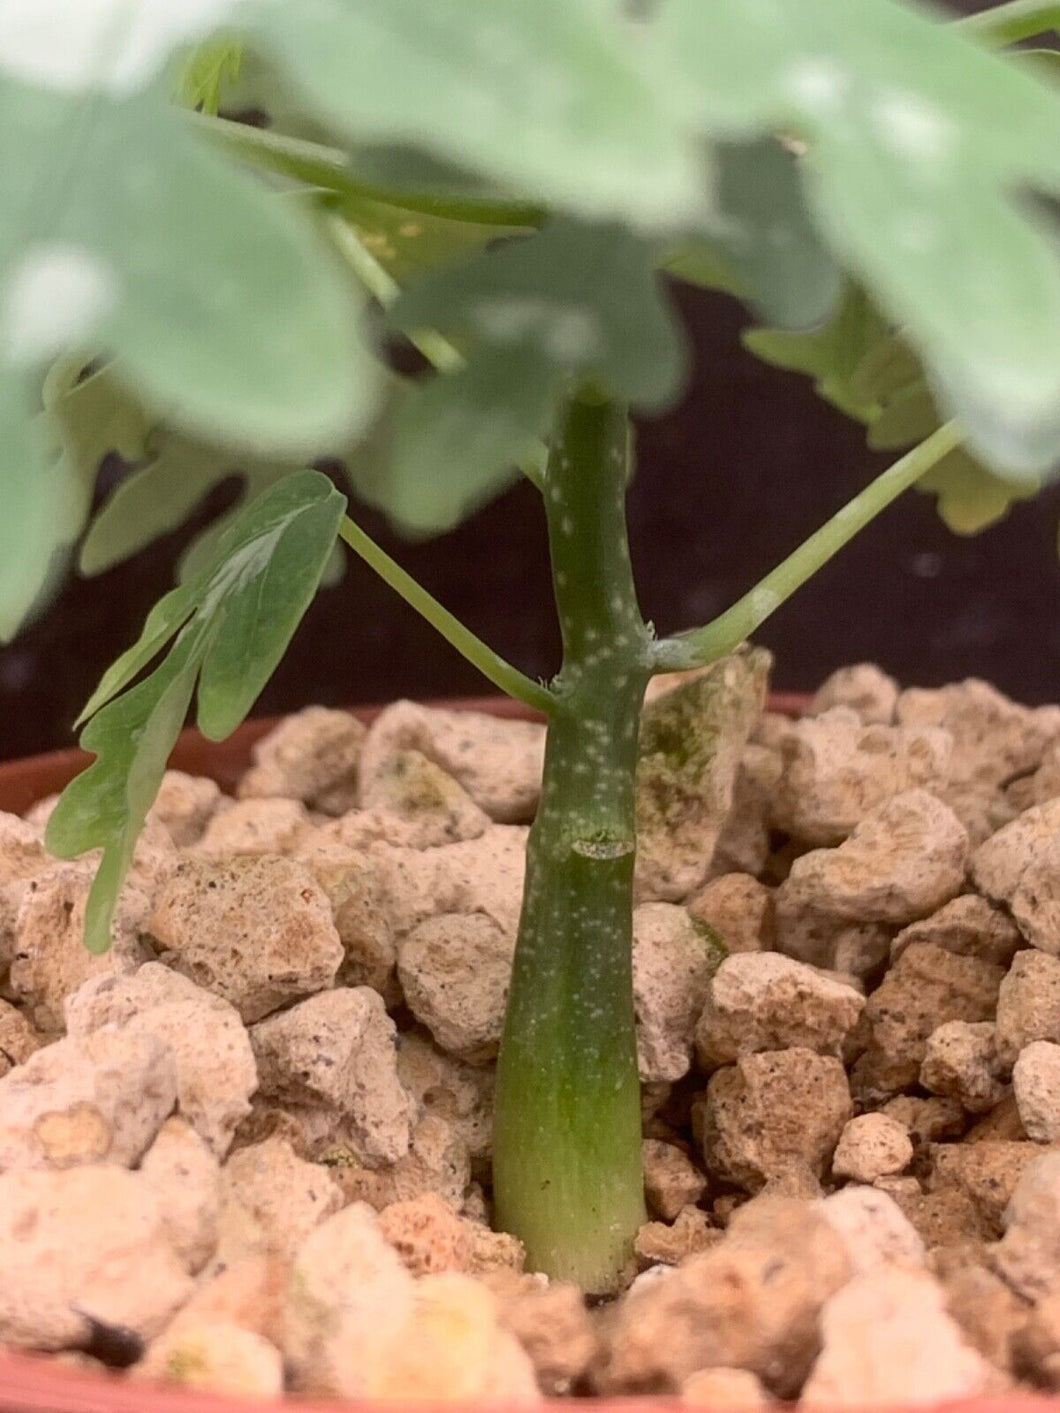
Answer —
566 1164
700 646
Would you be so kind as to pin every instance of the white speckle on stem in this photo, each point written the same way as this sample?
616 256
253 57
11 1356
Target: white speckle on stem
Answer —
76 46
54 299
763 602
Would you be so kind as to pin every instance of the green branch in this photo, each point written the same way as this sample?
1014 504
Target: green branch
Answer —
329 168
700 646
494 668
1011 23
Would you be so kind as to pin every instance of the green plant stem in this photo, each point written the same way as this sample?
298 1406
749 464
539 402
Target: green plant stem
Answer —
1011 23
566 1141
494 668
700 646
329 168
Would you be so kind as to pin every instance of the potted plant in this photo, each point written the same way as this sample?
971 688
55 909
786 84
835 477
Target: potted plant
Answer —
501 192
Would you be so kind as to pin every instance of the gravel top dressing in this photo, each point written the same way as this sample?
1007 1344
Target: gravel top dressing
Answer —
248 1149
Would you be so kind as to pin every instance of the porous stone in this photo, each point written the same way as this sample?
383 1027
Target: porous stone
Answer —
873 1228
1037 1342
425 806
271 1201
554 1327
961 1061
1019 866
673 961
1001 1122
862 687
256 931
454 971
771 1113
994 738
927 1120
184 806
357 1325
51 960
497 761
671 1180
185 1177
249 828
1036 1085
87 1099
764 1001
437 1161
990 1315
18 1039
944 1218
902 861
739 909
248 1294
348 1285
427 1234
215 1069
22 851
691 742
1028 1004
311 756
744 840
350 878
670 1243
836 770
872 1146
969 925
987 1172
925 988
820 940
887 1338
336 1051
751 1302
87 1244
216 1358
454 1348
483 875
1028 1254
447 1089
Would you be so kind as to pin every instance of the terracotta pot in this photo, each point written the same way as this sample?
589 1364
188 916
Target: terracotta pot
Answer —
35 1384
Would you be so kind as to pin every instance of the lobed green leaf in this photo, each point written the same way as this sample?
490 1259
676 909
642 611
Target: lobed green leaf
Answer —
231 626
919 145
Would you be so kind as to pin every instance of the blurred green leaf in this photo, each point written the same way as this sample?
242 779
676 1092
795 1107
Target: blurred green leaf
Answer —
907 417
832 355
232 626
969 497
865 369
121 230
407 243
559 98
458 439
208 73
918 143
586 300
762 224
